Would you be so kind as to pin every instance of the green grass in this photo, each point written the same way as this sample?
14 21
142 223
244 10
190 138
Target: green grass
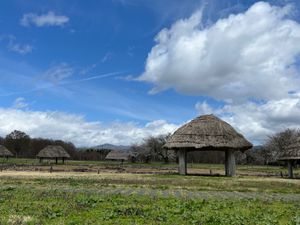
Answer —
23 206
85 198
155 165
176 182
110 197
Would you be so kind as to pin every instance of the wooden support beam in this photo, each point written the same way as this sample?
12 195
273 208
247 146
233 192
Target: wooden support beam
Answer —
182 162
290 168
229 163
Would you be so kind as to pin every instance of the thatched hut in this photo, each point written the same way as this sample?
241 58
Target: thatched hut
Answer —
118 155
291 155
4 152
53 152
207 133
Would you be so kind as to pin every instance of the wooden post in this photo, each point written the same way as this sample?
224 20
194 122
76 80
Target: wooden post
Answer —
182 161
229 163
290 168
63 160
56 160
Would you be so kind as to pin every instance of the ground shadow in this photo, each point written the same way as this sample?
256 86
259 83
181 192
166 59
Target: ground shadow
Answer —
205 175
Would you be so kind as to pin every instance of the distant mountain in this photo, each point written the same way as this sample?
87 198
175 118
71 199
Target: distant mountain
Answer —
257 147
112 147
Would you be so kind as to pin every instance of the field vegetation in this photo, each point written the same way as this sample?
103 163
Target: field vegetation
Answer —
117 197
146 190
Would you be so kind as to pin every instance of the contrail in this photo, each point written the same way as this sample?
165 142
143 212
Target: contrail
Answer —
92 78
101 76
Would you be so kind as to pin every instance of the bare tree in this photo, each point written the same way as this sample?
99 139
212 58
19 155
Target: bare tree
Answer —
155 147
152 149
277 143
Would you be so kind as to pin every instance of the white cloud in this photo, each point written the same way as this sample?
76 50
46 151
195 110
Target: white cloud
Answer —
21 49
88 69
204 108
75 128
13 46
107 57
248 55
20 103
49 19
258 120
248 61
57 73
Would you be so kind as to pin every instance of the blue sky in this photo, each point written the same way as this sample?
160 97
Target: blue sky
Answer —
116 71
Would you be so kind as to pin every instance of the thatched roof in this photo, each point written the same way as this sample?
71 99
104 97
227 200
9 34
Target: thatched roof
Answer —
207 132
53 151
4 152
117 155
292 151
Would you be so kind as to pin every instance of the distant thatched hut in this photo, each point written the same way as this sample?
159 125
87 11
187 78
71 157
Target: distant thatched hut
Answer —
206 133
118 155
53 152
291 155
4 152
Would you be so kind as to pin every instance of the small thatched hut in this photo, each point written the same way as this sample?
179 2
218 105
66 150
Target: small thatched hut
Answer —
206 133
4 152
291 155
53 152
118 155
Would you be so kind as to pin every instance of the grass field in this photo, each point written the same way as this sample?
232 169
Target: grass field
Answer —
154 167
115 196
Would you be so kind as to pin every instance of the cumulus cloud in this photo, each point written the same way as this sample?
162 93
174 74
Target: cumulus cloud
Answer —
204 108
248 62
75 128
48 19
247 55
257 120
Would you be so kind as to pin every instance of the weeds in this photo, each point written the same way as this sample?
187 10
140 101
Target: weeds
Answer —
148 199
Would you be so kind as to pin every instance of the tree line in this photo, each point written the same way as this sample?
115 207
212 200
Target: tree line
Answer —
151 149
22 145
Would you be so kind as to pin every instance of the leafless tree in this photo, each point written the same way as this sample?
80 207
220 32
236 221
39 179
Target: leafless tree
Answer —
152 149
277 143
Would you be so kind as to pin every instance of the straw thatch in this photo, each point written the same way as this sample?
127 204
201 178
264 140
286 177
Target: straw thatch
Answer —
207 132
53 151
292 151
4 152
117 155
